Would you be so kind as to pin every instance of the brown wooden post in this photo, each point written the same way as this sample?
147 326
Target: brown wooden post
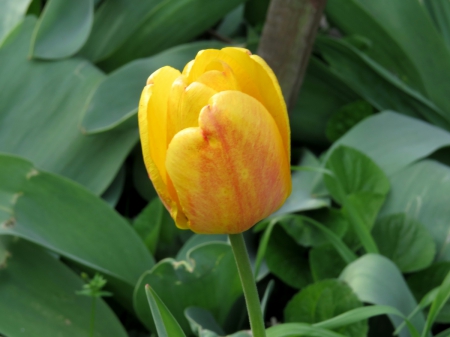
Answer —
287 40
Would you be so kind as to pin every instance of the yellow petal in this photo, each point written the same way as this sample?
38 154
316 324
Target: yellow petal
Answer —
232 170
185 103
254 77
152 129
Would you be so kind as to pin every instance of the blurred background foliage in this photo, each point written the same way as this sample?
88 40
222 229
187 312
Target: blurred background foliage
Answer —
368 221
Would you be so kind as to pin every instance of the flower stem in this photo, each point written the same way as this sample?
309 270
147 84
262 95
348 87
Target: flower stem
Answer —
248 285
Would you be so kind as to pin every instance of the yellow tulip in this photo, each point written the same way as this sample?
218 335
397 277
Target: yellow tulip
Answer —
216 141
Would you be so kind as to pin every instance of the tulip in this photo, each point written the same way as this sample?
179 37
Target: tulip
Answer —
216 141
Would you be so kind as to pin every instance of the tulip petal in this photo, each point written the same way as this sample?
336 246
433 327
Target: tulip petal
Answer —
152 128
232 170
185 103
255 78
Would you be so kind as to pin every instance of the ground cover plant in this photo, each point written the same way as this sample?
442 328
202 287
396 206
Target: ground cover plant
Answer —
359 248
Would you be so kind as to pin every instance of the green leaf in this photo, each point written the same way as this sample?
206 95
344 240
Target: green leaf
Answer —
202 322
168 24
41 109
346 117
440 13
358 314
375 84
441 298
360 186
354 173
62 29
115 101
287 260
421 191
208 279
64 217
37 296
127 15
197 240
404 241
11 13
375 279
322 94
141 180
307 233
394 141
424 281
395 16
325 263
299 329
352 18
232 21
114 191
324 300
166 324
149 222
307 189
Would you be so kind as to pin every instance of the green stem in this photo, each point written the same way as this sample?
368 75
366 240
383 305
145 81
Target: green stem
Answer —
248 285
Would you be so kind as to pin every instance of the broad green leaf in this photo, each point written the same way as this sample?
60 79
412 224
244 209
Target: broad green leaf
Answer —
375 279
166 325
325 263
375 84
40 112
64 217
442 297
394 141
404 241
114 191
354 173
307 233
440 12
353 19
287 260
202 322
11 13
324 300
299 329
116 99
197 240
141 180
360 186
170 23
420 191
307 189
158 231
347 117
424 281
232 21
149 222
37 297
105 37
62 29
396 17
323 93
207 279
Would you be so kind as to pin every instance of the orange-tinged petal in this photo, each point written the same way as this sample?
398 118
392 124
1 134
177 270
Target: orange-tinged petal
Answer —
254 77
232 170
152 115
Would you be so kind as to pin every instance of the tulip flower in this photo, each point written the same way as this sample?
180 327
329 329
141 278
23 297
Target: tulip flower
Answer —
216 141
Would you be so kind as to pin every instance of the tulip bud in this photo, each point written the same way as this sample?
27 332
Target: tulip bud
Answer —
216 141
